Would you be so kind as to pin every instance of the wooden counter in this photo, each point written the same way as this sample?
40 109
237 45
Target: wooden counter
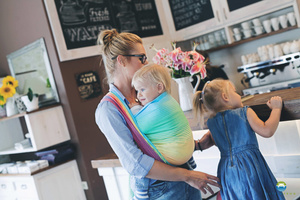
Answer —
291 104
110 160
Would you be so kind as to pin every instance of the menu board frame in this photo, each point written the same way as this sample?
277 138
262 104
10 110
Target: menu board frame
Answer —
186 13
90 48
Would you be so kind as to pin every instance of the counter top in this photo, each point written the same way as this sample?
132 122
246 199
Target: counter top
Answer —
291 104
110 160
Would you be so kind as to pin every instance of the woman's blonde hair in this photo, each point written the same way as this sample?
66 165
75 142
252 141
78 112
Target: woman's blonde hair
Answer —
207 102
155 74
114 44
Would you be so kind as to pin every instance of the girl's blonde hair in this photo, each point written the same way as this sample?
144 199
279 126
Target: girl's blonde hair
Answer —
155 74
114 44
207 102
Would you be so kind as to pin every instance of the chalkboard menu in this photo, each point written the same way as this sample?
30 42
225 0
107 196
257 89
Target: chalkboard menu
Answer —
237 4
189 12
82 20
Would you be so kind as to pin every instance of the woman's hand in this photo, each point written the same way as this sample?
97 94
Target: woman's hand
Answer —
196 179
201 181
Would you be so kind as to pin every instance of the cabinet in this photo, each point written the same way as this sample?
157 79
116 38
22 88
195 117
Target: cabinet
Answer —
235 10
46 127
226 16
60 182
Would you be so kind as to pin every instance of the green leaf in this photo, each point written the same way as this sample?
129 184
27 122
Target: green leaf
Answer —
30 94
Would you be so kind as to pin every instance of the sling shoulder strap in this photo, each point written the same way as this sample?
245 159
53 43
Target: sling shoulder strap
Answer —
141 139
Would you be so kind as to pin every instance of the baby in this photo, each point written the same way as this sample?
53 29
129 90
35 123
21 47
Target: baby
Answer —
161 118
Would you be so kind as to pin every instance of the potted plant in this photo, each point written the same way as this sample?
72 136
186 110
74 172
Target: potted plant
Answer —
31 100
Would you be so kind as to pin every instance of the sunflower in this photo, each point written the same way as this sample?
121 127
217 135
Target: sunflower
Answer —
7 91
9 80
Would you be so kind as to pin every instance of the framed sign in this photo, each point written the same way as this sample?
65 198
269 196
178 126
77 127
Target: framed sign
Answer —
88 84
76 23
189 12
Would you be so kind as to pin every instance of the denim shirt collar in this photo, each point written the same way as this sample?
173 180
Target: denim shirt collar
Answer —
113 88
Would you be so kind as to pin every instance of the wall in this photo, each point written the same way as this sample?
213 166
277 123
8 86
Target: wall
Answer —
23 22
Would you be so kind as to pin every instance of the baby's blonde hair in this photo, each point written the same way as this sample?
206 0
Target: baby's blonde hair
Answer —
207 101
155 74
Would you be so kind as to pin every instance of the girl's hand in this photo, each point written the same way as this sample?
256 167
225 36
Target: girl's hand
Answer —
275 102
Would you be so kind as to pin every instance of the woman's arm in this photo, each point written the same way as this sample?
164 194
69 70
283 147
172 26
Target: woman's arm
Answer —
135 162
196 179
268 128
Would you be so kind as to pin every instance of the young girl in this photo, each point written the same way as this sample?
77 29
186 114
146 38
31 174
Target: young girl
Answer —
243 171
161 118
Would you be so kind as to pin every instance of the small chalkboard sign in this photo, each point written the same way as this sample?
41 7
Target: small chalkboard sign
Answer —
88 84
82 20
189 12
237 4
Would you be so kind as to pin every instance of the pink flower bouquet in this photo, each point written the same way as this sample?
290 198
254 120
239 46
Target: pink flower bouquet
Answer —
182 63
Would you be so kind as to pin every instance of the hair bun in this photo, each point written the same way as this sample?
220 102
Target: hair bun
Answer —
106 36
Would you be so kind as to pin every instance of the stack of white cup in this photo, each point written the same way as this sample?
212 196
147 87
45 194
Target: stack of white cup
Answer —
282 21
246 29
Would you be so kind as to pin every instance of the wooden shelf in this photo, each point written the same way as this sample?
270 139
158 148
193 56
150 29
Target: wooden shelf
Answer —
252 39
24 113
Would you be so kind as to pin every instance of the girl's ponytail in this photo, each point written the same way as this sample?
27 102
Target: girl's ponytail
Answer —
198 107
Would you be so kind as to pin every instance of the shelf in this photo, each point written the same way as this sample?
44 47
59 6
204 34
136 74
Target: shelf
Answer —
251 39
46 127
25 113
15 151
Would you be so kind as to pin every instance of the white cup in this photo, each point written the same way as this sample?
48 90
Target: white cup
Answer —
238 37
246 25
256 22
277 51
267 25
218 37
271 51
247 33
258 30
295 47
283 21
244 59
291 18
236 31
275 23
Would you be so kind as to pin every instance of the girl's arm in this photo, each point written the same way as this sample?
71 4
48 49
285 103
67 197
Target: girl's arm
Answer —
198 180
268 128
205 142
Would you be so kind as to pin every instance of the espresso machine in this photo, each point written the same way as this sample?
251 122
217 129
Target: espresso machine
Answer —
279 73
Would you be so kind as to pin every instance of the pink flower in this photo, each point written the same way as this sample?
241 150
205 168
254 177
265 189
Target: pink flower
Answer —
199 67
182 63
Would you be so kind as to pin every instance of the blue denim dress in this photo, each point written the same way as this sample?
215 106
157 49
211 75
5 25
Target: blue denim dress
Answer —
242 169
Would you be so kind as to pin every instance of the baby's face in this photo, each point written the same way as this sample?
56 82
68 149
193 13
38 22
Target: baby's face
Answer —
146 91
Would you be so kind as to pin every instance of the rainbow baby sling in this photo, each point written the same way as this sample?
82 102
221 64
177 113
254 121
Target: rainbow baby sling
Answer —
141 139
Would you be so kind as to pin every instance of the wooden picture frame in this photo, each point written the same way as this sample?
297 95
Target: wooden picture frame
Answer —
76 24
64 53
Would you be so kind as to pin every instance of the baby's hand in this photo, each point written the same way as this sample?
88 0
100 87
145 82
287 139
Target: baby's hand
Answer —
275 102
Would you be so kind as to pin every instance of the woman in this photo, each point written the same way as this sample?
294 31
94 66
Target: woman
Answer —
123 55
